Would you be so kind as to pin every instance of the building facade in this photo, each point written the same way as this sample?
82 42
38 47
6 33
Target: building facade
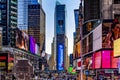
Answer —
99 20
23 13
36 24
60 36
8 21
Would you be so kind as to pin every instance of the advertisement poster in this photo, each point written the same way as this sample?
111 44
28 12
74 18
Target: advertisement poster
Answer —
60 57
32 45
110 32
77 50
117 48
22 40
97 60
106 59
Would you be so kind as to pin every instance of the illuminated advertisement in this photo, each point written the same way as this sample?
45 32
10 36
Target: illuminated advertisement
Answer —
77 50
114 61
117 48
78 64
60 57
22 40
37 49
3 61
106 59
97 60
110 32
89 26
32 45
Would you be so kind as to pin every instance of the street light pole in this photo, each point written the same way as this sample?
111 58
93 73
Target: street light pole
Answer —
81 21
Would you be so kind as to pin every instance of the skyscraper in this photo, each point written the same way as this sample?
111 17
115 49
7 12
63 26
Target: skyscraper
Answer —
23 13
60 36
36 24
8 21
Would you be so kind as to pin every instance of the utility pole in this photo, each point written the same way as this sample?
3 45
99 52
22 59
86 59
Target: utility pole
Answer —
81 22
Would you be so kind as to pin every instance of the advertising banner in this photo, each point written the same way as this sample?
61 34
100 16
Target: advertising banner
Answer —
110 32
117 48
106 59
60 57
22 40
97 60
32 44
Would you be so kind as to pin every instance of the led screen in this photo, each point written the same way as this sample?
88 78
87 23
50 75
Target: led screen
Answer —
22 40
37 49
106 58
77 50
114 61
60 57
110 32
117 48
32 45
97 60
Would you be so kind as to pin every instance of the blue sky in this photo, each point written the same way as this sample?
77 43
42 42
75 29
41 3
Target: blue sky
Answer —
49 7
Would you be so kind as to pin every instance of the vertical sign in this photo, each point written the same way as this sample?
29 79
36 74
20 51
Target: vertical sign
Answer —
60 57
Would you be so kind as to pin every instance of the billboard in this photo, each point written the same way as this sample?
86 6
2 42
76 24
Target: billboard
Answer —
106 59
110 32
117 48
78 64
60 57
97 60
114 61
32 44
22 40
37 51
77 49
89 26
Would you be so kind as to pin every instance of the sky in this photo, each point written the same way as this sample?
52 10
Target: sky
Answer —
49 7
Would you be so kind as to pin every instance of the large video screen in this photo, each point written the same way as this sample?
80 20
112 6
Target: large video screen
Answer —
117 48
97 60
114 61
77 50
110 32
32 44
22 40
37 51
106 59
60 57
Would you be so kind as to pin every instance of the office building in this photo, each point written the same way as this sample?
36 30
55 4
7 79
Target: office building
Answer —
36 24
60 44
8 21
23 13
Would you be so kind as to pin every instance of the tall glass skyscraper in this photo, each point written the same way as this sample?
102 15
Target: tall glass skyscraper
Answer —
60 36
23 13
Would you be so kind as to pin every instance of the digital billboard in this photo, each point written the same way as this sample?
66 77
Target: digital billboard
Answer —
97 60
106 59
77 49
114 61
32 44
22 40
60 57
89 26
117 48
110 32
37 51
